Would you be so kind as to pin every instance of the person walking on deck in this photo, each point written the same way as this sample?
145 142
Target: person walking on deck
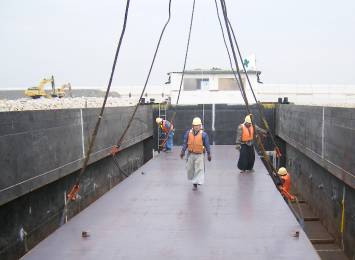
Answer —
245 136
195 142
167 128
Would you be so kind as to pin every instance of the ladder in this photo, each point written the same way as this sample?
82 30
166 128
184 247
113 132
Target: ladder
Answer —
162 114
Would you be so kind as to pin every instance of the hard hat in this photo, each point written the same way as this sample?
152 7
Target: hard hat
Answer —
247 119
282 171
158 120
196 121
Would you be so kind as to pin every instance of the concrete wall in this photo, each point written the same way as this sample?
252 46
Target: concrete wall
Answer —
320 157
39 147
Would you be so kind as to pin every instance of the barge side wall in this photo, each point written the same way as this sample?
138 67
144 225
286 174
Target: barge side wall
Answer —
42 155
39 147
320 155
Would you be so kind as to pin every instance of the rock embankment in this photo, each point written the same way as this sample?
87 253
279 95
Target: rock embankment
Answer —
67 103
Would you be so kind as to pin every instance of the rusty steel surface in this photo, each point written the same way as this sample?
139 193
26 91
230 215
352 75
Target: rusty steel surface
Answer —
157 215
317 233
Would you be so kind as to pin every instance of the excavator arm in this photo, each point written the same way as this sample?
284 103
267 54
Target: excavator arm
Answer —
61 93
36 92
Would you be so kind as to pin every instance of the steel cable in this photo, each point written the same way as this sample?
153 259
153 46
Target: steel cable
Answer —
261 113
246 74
93 137
269 165
224 40
183 71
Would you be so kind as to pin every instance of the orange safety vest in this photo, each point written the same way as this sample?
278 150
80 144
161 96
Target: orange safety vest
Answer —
246 135
163 127
287 183
195 143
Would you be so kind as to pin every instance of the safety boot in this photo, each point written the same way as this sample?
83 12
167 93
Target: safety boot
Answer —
194 187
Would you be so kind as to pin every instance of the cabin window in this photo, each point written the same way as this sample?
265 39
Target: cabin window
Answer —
196 84
229 84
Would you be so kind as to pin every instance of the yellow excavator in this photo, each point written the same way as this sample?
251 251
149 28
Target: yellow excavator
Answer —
37 92
60 92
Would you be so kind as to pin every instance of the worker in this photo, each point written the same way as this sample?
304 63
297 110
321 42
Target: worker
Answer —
195 142
245 136
285 178
167 128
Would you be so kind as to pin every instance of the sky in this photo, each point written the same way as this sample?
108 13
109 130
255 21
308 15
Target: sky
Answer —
295 42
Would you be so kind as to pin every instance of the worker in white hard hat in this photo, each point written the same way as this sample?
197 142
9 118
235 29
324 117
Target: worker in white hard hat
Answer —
167 128
196 141
245 136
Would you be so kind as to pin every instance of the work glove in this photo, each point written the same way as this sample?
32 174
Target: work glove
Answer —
237 147
209 157
182 154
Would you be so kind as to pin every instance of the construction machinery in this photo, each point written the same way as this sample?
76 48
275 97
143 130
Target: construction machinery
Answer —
38 91
60 92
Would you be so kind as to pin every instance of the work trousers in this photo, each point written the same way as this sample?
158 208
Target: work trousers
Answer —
169 142
246 158
195 168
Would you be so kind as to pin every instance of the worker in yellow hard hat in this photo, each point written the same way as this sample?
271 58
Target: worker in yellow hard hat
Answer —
166 127
195 142
245 136
285 178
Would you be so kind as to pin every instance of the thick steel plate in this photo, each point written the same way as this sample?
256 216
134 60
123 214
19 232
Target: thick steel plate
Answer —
156 215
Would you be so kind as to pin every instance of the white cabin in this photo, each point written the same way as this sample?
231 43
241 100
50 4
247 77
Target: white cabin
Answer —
213 86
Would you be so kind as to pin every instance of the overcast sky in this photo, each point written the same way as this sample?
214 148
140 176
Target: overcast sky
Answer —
295 42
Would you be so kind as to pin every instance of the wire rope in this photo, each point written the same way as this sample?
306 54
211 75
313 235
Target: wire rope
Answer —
183 70
93 137
269 165
145 85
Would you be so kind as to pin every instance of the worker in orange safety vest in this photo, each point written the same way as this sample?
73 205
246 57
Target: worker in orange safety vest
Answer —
195 142
245 136
285 178
166 127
